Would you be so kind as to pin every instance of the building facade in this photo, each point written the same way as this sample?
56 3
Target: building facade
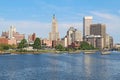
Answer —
12 41
95 41
109 41
99 30
54 34
12 30
31 38
3 40
73 35
87 21
47 43
13 34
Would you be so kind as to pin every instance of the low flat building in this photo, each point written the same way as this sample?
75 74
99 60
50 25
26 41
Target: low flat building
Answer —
11 33
12 41
47 43
3 40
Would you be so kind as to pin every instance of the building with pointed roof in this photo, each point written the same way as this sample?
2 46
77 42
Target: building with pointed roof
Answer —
54 34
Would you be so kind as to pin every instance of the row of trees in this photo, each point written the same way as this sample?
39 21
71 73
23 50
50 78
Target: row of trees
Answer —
24 44
37 45
6 47
83 46
21 45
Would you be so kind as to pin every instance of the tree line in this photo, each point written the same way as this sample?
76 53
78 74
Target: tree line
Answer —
38 45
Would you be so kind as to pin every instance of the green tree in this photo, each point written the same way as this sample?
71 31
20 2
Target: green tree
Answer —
13 46
37 44
1 48
59 47
4 47
22 44
85 46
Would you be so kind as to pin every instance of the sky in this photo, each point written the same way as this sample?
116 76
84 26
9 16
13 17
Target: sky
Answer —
36 15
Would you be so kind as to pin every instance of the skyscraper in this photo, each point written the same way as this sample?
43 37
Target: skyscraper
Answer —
12 30
87 21
99 29
54 34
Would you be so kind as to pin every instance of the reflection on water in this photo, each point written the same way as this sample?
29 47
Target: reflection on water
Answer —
60 67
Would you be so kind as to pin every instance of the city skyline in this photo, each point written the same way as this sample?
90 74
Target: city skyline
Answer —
36 15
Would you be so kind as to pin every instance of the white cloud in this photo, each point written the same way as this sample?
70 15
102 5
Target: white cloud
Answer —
27 27
40 28
102 15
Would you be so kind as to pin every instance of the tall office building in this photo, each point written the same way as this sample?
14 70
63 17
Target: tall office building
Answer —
12 30
87 21
99 30
54 34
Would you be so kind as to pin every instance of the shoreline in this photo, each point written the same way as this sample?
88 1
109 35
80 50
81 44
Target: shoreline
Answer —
50 51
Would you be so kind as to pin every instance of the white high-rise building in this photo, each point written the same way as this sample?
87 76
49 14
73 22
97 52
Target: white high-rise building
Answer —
12 30
87 21
54 34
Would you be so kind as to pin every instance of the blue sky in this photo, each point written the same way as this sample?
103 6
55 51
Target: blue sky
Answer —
35 15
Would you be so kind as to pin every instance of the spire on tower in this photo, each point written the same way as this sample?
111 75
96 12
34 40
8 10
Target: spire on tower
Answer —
53 16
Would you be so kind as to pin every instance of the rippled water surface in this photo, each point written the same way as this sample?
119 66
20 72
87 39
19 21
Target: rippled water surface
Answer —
60 67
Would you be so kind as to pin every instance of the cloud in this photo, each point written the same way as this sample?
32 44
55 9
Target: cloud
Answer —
27 27
102 15
40 28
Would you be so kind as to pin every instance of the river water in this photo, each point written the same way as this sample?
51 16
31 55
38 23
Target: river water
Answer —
65 66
